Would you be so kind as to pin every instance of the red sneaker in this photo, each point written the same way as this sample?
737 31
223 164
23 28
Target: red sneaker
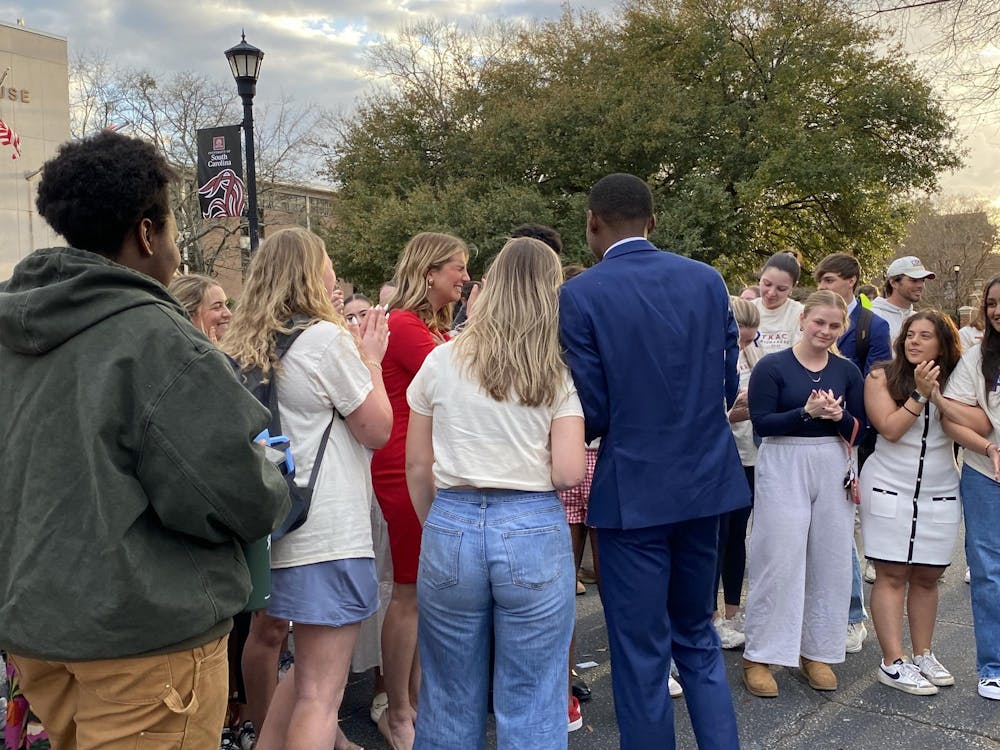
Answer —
575 717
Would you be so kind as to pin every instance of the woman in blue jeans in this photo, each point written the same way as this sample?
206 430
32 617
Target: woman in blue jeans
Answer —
495 428
976 383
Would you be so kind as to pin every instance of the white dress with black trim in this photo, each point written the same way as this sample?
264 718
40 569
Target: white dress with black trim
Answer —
910 509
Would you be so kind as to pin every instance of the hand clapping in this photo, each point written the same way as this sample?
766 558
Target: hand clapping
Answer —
925 377
824 405
372 334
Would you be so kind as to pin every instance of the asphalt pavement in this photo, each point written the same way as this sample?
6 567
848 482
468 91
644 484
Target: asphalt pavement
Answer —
861 715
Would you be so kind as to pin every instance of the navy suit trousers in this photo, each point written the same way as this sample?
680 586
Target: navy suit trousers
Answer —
657 588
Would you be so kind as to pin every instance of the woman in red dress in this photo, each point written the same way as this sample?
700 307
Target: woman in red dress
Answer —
430 275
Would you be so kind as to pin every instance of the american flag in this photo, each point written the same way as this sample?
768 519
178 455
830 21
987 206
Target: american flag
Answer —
9 138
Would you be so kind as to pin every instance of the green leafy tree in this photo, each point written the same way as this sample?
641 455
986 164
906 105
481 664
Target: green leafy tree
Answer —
759 125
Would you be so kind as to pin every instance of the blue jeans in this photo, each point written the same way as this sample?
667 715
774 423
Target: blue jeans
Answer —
497 560
981 503
857 612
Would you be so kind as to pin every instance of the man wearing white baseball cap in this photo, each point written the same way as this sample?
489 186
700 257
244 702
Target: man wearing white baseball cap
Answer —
904 285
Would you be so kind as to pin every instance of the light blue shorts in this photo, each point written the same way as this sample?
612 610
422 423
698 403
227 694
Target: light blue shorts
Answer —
334 593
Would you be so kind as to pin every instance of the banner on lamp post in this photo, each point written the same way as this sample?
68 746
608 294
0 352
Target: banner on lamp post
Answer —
221 190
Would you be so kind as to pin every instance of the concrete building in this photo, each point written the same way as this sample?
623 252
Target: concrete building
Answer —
34 109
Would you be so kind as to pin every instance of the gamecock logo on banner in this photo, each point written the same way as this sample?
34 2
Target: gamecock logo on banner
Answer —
225 194
221 190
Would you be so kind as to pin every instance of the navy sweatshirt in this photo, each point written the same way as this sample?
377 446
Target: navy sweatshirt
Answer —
780 386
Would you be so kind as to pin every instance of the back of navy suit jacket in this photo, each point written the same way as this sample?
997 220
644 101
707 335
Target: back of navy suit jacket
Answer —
652 345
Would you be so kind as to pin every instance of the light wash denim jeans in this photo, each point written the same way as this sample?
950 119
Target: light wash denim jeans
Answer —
497 560
981 504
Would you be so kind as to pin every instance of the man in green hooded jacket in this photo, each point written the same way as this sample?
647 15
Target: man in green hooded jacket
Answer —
130 476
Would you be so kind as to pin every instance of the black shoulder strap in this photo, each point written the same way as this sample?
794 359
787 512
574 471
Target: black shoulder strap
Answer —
282 344
862 340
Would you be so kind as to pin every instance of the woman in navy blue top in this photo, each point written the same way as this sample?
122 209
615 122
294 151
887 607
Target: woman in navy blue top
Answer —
807 403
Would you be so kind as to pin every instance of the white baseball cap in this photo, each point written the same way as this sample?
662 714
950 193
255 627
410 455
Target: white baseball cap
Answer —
909 265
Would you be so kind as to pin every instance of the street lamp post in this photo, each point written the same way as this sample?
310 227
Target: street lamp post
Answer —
244 60
958 297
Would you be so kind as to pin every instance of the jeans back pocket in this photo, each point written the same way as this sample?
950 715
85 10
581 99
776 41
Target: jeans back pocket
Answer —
439 551
536 556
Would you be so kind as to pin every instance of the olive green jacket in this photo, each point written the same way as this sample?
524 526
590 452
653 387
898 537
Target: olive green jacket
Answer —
130 475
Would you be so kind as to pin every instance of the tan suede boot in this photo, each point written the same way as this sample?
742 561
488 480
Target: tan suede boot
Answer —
820 676
759 680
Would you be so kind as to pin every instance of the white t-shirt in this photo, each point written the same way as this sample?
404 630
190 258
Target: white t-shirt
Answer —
891 314
480 442
779 328
965 385
323 371
743 431
969 336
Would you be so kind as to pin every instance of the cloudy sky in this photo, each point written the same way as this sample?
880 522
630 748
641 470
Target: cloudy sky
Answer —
317 56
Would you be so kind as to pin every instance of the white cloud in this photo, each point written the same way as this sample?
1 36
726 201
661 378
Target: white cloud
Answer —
315 55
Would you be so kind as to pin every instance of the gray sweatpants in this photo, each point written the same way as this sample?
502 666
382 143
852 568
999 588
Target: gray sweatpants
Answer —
799 559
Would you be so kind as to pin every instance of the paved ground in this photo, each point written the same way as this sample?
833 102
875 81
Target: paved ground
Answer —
861 715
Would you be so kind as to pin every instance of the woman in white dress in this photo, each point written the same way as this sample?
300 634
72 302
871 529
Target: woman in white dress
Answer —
910 509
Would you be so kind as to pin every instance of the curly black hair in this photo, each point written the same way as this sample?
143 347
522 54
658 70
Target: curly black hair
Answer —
95 190
548 235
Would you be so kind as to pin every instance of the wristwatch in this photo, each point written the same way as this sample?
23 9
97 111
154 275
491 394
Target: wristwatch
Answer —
918 397
806 416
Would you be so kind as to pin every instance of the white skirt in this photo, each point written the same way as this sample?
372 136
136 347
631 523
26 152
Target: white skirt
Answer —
910 505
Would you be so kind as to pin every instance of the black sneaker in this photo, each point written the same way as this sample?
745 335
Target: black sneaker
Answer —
246 737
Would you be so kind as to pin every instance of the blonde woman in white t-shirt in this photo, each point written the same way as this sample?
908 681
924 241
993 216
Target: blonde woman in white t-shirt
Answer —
322 573
495 428
779 313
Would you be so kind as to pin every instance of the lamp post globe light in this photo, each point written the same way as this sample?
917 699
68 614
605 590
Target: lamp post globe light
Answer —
244 60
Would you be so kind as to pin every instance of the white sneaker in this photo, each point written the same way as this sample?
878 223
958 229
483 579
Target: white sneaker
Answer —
869 574
906 677
737 621
676 691
932 669
990 689
968 575
379 704
728 634
856 634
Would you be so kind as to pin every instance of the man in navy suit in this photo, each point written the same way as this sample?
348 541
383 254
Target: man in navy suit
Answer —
652 345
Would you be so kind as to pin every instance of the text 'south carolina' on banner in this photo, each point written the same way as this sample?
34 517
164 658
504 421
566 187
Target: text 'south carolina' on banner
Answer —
221 191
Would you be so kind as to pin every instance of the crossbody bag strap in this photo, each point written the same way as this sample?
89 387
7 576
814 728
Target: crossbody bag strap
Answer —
276 412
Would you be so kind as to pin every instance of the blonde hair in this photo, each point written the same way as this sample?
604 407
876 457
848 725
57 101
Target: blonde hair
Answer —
745 312
285 278
427 251
511 344
826 298
190 291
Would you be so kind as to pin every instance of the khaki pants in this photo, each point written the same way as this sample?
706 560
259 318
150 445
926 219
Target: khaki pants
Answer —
168 702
